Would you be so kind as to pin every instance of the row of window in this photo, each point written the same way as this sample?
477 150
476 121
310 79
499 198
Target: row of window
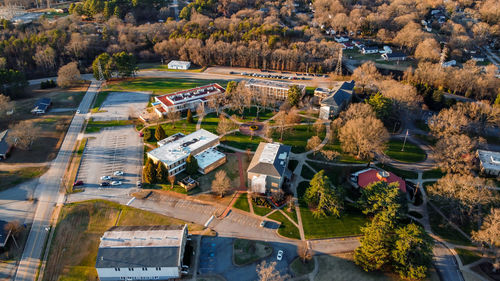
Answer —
132 269
140 278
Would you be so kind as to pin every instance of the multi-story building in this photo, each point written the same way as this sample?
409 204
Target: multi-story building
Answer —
275 89
333 101
268 169
142 253
174 151
187 99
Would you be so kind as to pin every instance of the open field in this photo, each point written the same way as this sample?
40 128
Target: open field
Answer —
75 243
159 86
411 154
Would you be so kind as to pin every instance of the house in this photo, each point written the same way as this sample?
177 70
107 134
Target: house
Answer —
369 50
41 106
358 44
347 46
341 39
268 169
174 151
4 234
4 146
275 89
386 50
368 176
334 100
187 99
394 56
178 64
489 162
449 63
142 253
478 57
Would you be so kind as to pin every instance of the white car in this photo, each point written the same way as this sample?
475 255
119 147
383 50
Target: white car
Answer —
116 183
118 173
105 178
280 255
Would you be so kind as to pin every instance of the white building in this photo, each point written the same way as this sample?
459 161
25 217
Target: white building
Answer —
187 99
489 162
174 150
276 89
141 253
268 169
179 64
369 50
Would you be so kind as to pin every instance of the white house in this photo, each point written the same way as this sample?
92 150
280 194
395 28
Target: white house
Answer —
489 162
449 63
178 64
142 253
369 50
386 50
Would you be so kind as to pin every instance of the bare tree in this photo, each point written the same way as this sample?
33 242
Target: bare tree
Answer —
366 75
448 121
217 102
268 272
354 111
429 49
171 179
15 228
225 125
68 75
23 134
313 143
221 183
305 254
45 58
200 110
489 234
330 155
172 116
455 153
404 96
363 137
319 126
481 114
5 106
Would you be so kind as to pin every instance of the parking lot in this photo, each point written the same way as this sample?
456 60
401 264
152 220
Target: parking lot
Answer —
121 105
112 149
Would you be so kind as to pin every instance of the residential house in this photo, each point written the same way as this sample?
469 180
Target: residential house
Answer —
268 169
341 39
142 253
187 99
347 46
178 64
489 162
478 57
4 146
449 63
174 151
369 50
386 50
368 176
333 101
397 56
275 89
41 106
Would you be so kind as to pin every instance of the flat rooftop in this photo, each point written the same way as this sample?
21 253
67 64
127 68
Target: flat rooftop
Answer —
208 157
489 159
190 95
141 237
272 84
180 148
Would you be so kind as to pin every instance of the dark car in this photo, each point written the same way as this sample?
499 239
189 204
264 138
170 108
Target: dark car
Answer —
78 183
104 183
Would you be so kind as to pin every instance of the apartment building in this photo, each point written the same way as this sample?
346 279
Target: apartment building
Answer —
275 89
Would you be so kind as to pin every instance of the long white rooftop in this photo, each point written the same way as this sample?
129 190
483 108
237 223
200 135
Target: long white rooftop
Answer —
141 238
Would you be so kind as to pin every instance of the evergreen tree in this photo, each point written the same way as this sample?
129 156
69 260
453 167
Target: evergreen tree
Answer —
231 85
105 61
381 105
160 133
191 165
294 95
324 196
374 250
161 173
380 197
125 63
149 173
189 117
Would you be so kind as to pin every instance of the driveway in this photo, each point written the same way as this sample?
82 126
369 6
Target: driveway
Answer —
216 258
121 105
445 264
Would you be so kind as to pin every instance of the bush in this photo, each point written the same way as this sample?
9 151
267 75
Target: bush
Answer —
261 201
48 84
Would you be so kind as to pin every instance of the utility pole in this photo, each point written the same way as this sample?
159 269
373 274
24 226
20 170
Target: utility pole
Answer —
101 76
403 148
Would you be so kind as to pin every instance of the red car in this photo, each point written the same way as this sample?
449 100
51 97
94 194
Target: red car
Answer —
77 183
141 134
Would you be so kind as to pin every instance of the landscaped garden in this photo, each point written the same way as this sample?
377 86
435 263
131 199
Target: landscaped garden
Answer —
411 154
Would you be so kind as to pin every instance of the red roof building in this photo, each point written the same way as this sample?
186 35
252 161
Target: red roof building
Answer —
366 177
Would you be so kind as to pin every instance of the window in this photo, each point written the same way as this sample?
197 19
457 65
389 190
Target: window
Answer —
274 184
156 277
122 278
144 269
158 268
117 269
130 269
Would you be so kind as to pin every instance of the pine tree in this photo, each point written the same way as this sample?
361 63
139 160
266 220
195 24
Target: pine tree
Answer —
324 197
189 117
381 197
191 165
161 173
160 133
374 250
149 173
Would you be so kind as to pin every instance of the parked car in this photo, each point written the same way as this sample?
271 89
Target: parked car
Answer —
141 134
78 183
116 183
263 223
104 183
139 184
280 255
118 173
105 178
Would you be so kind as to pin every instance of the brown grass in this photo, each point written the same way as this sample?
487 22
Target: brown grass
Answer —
14 177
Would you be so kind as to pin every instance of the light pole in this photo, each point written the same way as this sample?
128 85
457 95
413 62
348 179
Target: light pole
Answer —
404 142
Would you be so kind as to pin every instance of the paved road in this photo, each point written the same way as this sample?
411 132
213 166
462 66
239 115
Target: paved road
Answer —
446 264
47 192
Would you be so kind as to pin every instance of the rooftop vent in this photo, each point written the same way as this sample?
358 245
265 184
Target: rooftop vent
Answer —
383 175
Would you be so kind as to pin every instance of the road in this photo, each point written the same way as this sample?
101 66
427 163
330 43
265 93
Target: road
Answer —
47 192
446 264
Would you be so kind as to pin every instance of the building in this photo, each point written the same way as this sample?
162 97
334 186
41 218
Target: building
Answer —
449 63
4 146
369 50
478 57
347 46
178 64
368 176
268 169
275 89
386 50
335 100
394 56
142 253
4 234
41 106
187 99
173 152
489 162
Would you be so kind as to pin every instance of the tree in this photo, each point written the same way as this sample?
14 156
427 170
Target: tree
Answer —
489 234
412 253
231 86
305 254
125 64
374 249
381 105
191 165
363 137
383 197
23 134
481 114
403 95
171 179
68 75
366 74
105 61
172 116
449 121
268 272
428 49
45 58
221 183
5 106
455 153
149 173
324 197
313 143
160 133
285 119
189 117
354 111
161 173
200 110
294 95
225 125
319 126
15 228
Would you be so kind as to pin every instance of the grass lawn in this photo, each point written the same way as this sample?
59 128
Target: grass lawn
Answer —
297 138
292 164
337 174
442 228
433 174
299 268
101 97
159 85
411 154
241 141
468 256
348 224
421 125
343 158
74 246
242 203
426 138
11 178
306 172
287 228
291 214
402 173
210 122
260 210
180 126
249 114
249 251
96 126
